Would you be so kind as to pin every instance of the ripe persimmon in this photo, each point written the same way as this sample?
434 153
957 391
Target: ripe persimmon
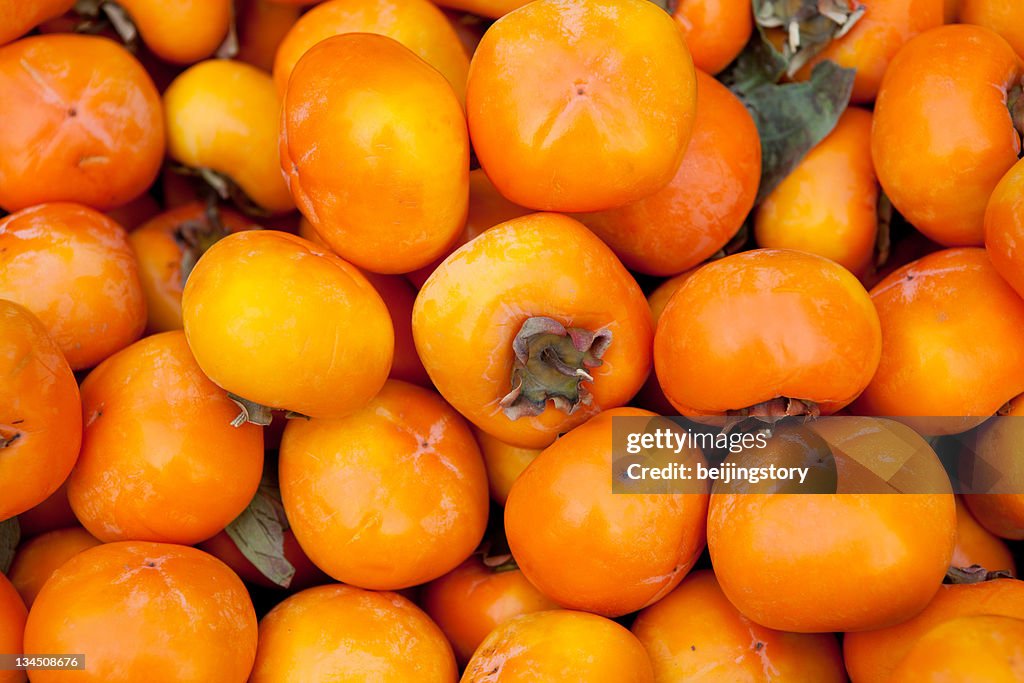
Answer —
976 545
37 558
388 497
417 24
570 110
534 310
997 448
12 627
18 17
40 412
183 32
828 204
504 462
269 316
262 25
492 9
763 325
952 298
375 150
695 635
472 600
160 458
560 645
942 136
716 31
223 116
704 204
345 633
1005 17
140 611
1004 227
975 649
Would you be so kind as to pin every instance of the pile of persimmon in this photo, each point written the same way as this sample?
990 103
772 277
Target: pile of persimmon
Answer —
322 323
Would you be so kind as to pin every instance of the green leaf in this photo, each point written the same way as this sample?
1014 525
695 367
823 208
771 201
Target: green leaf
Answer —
10 535
259 534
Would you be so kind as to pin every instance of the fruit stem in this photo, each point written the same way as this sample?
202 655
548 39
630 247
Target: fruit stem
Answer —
255 413
974 574
777 409
552 362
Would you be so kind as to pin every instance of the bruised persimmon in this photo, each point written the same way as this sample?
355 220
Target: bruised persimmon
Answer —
269 317
40 412
716 31
975 649
82 123
375 151
12 627
765 325
704 204
532 328
581 106
37 558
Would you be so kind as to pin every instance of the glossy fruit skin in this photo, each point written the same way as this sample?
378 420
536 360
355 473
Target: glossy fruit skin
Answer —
133 607
1005 17
1004 227
159 250
504 462
763 324
551 87
298 302
74 269
223 115
828 204
306 573
921 318
12 626
694 634
472 600
588 548
40 412
417 24
885 554
920 136
347 635
704 204
976 649
37 558
18 17
371 198
998 446
82 123
183 31
470 310
560 645
976 545
160 459
389 497
716 31
262 25
872 656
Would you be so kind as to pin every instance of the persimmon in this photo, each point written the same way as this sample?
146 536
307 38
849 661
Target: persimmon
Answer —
504 462
268 316
1005 17
997 449
952 298
168 246
306 574
570 110
942 136
40 412
73 268
389 497
37 558
950 10
560 645
387 186
873 656
487 208
181 32
704 204
136 212
53 513
764 325
82 123
12 626
716 31
223 115
534 310
18 17
1004 227
417 24
976 649
344 633
493 9
588 548
975 545
262 25
144 612
160 458
694 634
472 600
771 551
828 204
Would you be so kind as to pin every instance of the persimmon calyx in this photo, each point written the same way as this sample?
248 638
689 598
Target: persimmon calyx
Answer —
196 237
1015 103
551 363
975 574
96 12
250 411
777 409
222 186
809 25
